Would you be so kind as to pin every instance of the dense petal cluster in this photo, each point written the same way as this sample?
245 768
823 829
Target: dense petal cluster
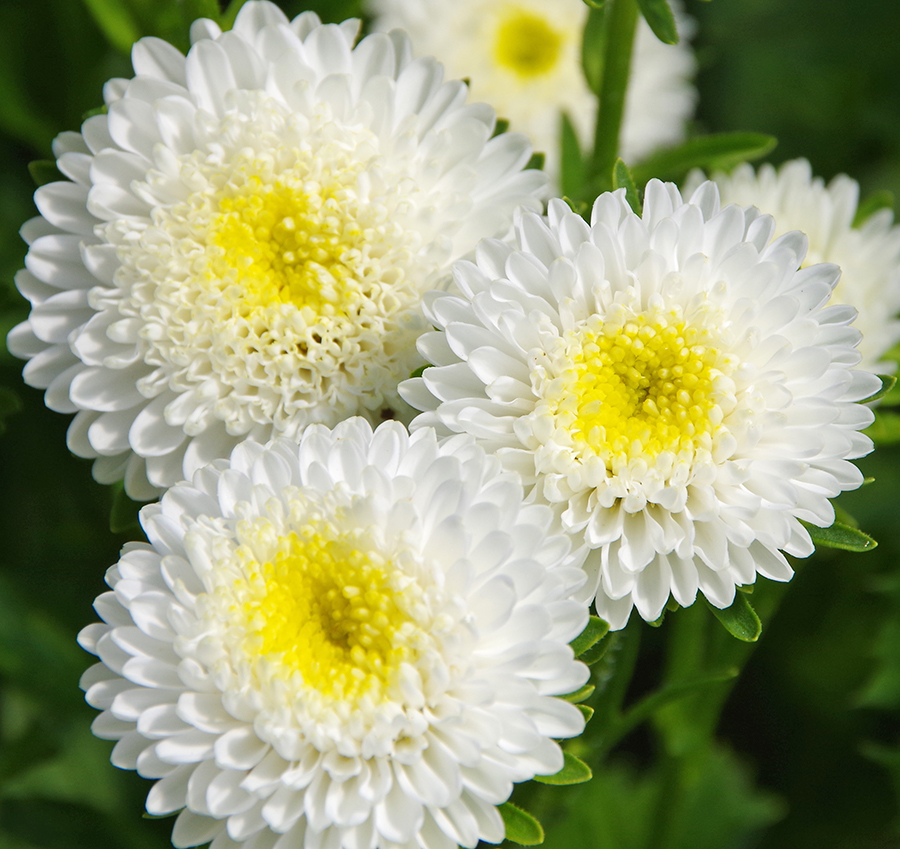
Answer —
524 58
354 641
244 239
869 255
676 385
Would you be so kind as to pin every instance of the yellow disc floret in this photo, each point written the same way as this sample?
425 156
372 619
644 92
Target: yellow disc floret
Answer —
526 43
324 606
631 387
288 239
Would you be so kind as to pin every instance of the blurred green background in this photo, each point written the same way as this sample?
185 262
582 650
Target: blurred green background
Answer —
809 743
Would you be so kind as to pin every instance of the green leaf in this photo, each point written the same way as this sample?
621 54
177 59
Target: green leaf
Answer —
116 23
842 516
596 652
586 711
97 110
841 536
718 151
574 771
885 430
147 816
595 630
419 371
740 620
521 827
500 127
887 384
536 163
622 179
44 171
659 15
572 172
882 199
123 517
580 694
593 42
595 4
717 806
579 207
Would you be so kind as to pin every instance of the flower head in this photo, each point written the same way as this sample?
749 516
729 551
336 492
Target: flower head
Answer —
524 58
350 642
869 255
673 384
245 238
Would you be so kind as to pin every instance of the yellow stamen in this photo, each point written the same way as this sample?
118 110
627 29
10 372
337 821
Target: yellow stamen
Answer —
526 43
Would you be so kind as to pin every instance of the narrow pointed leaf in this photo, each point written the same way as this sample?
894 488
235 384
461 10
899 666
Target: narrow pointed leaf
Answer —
593 43
587 712
597 651
595 630
622 179
658 13
574 771
500 127
572 167
841 536
888 382
536 163
740 620
580 694
44 171
718 151
521 827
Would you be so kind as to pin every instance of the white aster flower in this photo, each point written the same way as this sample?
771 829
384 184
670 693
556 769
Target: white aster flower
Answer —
351 642
524 58
869 255
673 384
243 245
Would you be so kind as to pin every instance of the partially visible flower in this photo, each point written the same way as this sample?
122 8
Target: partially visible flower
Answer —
246 237
351 642
869 255
673 384
524 58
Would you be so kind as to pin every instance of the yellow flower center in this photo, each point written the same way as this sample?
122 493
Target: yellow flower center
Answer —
526 43
631 389
323 607
288 240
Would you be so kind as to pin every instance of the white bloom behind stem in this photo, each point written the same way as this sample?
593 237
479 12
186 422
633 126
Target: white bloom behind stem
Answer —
524 58
675 385
245 238
869 255
352 642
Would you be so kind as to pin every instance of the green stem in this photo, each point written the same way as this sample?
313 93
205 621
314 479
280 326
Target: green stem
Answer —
686 728
668 801
622 22
611 693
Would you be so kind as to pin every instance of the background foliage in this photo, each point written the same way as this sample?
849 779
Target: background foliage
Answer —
808 749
